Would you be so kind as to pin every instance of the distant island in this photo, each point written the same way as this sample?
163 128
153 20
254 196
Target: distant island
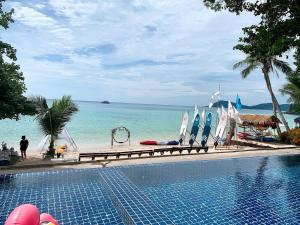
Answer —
105 102
262 106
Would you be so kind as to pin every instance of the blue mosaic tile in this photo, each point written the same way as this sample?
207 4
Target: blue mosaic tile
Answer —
134 203
71 196
236 191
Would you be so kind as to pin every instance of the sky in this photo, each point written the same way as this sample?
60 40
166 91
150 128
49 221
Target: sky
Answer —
140 51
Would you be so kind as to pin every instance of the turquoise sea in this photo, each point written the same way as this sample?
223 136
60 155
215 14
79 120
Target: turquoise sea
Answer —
92 125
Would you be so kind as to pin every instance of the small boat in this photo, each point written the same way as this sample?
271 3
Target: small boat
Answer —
247 135
173 142
148 142
268 139
152 142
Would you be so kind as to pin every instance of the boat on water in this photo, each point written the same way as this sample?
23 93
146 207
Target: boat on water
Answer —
105 102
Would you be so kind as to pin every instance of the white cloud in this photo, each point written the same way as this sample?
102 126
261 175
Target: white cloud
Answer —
40 22
163 49
33 18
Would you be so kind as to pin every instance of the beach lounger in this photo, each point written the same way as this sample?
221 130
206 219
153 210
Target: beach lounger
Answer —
106 155
139 153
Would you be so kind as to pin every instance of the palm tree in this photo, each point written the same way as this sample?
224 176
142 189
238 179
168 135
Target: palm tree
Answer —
267 65
52 120
292 88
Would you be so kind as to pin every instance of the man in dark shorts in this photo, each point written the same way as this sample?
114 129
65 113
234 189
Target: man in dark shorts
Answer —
23 147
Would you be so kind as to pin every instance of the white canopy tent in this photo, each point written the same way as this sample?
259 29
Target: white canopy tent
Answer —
43 145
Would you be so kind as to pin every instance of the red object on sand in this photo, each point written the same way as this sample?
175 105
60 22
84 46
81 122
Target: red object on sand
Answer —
45 217
26 214
148 142
242 135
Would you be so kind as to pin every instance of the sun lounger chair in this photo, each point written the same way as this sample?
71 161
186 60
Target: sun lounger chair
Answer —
139 153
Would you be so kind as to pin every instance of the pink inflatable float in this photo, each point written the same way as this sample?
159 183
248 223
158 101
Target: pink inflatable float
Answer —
46 218
28 214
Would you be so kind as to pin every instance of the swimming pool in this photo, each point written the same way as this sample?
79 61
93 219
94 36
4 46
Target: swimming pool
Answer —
260 190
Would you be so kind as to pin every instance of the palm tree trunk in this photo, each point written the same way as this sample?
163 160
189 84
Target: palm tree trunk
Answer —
276 106
51 146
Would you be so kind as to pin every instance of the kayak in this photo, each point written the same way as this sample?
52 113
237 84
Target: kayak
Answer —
148 142
268 139
173 142
152 142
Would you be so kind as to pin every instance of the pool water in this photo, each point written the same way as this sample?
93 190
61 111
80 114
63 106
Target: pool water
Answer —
72 197
260 190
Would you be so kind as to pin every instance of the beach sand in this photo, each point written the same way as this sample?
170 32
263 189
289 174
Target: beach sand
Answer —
35 158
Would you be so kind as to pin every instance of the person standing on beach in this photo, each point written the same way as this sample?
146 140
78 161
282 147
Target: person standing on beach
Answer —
23 147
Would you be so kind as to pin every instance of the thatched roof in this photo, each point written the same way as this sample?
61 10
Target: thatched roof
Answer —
258 120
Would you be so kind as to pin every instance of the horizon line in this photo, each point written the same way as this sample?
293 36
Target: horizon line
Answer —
136 103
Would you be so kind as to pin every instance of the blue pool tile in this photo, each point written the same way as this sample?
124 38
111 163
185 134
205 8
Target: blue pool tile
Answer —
238 191
72 197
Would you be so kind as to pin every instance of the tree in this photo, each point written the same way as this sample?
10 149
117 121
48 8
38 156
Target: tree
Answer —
281 17
52 120
12 101
292 88
258 44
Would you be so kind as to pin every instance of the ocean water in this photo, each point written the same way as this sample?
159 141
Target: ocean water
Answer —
91 126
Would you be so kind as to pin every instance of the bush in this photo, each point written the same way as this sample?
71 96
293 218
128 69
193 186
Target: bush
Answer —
291 137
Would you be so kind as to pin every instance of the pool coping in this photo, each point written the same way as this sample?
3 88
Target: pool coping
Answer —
54 164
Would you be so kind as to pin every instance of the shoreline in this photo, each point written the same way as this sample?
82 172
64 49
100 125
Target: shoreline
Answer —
25 166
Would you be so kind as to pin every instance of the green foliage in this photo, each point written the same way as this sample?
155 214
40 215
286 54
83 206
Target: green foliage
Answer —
12 87
291 136
292 88
236 6
277 32
280 17
262 53
53 119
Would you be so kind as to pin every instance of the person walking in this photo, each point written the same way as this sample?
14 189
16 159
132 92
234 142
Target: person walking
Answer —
23 147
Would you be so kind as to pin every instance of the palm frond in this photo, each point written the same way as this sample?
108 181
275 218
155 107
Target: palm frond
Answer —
52 120
62 112
250 63
40 104
282 66
239 64
292 89
245 72
245 62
